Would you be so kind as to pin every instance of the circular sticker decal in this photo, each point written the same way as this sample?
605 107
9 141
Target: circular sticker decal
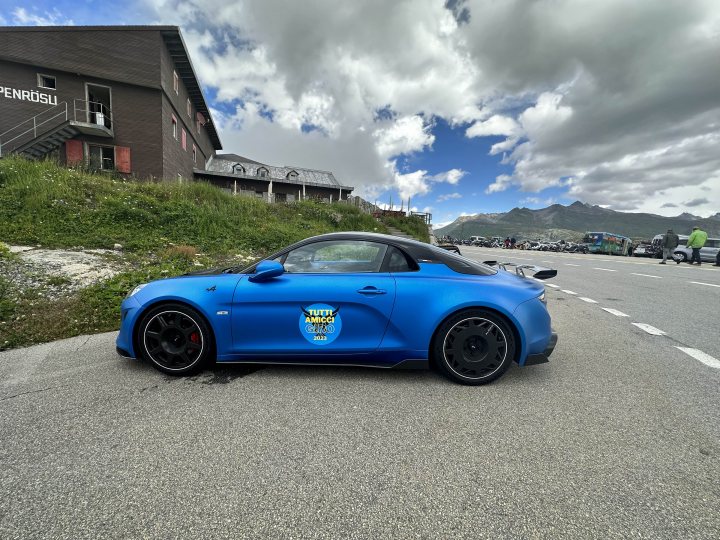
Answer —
320 324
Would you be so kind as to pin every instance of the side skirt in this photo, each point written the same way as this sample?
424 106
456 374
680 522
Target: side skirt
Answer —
410 363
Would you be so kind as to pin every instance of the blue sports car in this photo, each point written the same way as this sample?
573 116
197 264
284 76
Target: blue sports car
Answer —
349 298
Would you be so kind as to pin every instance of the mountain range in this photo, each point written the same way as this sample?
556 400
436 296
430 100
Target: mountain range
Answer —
570 222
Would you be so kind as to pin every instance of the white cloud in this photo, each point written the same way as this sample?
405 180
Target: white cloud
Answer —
403 136
495 125
448 196
538 201
501 183
23 16
420 183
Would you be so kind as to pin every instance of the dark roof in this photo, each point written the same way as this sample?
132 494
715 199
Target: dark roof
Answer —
235 157
224 165
178 51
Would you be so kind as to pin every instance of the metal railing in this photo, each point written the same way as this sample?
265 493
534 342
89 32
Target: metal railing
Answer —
28 130
92 112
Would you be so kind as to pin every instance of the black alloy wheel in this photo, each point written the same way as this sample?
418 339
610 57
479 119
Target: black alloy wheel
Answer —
474 347
175 339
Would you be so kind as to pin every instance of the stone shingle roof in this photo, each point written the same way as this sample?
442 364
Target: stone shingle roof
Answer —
234 165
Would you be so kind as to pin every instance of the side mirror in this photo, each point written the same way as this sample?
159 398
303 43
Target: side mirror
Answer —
266 270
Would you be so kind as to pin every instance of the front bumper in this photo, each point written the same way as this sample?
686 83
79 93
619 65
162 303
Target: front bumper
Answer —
129 312
543 357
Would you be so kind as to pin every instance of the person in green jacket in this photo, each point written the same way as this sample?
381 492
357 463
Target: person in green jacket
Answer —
695 241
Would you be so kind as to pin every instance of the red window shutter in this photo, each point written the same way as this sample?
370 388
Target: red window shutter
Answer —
122 159
73 151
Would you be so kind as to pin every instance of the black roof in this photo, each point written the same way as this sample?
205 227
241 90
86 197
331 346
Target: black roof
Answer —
184 68
238 158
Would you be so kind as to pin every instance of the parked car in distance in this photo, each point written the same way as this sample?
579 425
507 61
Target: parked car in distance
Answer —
708 253
646 249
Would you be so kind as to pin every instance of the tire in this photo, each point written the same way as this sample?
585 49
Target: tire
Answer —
462 351
682 256
175 339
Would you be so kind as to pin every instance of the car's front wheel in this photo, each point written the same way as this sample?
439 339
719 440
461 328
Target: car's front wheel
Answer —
175 339
474 347
680 256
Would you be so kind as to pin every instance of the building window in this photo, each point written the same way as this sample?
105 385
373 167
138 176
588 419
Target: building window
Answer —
189 108
238 169
174 127
176 82
262 172
46 81
184 139
197 125
292 175
101 157
194 153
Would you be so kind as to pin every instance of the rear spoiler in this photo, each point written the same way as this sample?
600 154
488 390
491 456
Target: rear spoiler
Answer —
540 272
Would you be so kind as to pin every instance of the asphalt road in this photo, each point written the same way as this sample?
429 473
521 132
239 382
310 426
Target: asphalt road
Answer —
617 437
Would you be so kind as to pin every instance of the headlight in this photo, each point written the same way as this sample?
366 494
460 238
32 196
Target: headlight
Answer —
542 298
136 290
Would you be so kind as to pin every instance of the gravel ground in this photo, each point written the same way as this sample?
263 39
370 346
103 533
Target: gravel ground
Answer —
55 272
617 437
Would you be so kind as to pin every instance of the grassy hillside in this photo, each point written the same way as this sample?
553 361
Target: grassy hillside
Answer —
165 229
412 225
41 203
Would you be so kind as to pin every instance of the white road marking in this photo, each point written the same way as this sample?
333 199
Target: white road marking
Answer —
571 264
553 285
701 356
649 329
616 312
588 300
604 269
568 292
701 283
646 275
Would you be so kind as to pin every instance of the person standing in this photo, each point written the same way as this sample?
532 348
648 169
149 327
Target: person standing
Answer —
696 241
670 241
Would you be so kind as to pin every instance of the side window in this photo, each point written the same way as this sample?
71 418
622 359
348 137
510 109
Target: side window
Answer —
398 262
336 257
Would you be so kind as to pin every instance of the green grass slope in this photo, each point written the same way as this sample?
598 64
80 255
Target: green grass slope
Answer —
41 203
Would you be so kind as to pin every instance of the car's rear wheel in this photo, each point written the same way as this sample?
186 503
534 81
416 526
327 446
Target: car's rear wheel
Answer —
175 339
679 255
474 347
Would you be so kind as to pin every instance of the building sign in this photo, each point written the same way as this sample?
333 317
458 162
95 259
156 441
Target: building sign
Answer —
28 95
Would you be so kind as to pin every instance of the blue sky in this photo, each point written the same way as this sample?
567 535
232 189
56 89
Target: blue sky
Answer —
412 98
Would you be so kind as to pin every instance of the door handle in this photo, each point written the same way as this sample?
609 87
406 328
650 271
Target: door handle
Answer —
371 290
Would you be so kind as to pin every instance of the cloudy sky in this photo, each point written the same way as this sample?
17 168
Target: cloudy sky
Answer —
464 106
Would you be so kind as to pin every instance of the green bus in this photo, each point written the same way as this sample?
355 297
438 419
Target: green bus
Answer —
608 243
